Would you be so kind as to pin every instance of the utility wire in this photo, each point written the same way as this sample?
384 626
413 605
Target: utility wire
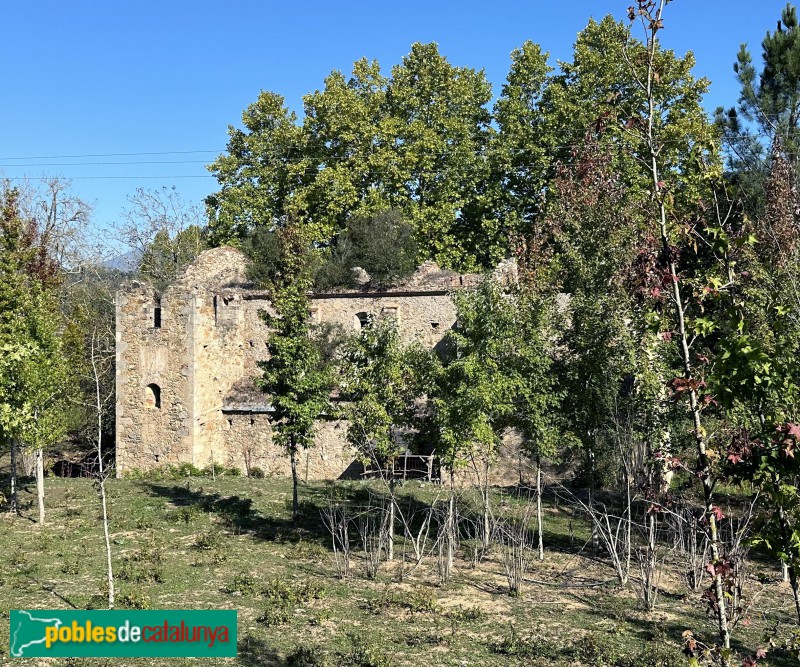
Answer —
84 164
65 157
86 178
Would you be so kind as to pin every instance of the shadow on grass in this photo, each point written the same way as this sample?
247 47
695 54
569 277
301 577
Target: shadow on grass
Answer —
255 652
237 513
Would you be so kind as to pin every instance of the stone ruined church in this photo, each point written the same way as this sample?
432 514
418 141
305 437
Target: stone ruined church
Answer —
186 362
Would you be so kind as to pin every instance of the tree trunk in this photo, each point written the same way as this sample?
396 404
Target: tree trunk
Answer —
595 536
40 483
101 476
390 518
539 506
487 509
790 567
295 503
14 494
107 537
628 526
451 522
704 471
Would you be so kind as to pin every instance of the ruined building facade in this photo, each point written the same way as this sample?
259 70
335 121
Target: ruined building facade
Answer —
187 359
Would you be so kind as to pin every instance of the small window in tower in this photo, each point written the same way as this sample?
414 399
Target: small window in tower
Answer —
230 423
152 396
361 320
434 325
157 313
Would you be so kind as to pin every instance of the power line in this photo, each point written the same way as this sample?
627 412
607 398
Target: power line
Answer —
65 157
85 178
85 164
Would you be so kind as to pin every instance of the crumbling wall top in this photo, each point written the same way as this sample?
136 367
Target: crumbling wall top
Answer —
217 268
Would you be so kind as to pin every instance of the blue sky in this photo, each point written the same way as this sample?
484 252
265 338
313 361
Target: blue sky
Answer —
95 79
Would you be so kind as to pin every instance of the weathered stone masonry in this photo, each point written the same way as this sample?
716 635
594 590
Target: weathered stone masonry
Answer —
186 360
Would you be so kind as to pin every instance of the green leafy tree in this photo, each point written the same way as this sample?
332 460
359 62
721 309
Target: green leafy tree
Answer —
296 375
382 245
32 375
757 374
415 141
261 173
382 382
520 159
436 162
768 109
674 214
495 376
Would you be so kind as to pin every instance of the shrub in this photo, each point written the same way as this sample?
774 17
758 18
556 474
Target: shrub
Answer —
304 550
186 470
134 599
208 540
364 653
467 615
293 594
418 601
242 584
70 567
184 514
307 657
534 645
256 473
277 612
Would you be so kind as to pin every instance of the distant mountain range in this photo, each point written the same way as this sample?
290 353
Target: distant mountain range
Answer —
127 262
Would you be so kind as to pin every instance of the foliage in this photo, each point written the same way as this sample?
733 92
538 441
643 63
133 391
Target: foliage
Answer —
33 372
495 375
297 376
381 380
768 108
164 232
382 245
414 141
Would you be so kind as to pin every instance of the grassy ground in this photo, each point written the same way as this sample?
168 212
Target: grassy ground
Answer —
230 544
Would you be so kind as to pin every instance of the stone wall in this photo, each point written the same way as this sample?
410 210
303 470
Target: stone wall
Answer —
204 358
150 435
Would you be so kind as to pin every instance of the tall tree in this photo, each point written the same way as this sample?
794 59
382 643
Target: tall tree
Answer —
672 214
495 376
28 334
382 382
415 142
768 108
519 157
297 376
265 166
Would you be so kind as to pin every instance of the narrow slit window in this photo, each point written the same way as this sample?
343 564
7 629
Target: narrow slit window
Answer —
157 313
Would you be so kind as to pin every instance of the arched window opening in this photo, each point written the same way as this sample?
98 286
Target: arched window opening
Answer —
152 396
361 320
